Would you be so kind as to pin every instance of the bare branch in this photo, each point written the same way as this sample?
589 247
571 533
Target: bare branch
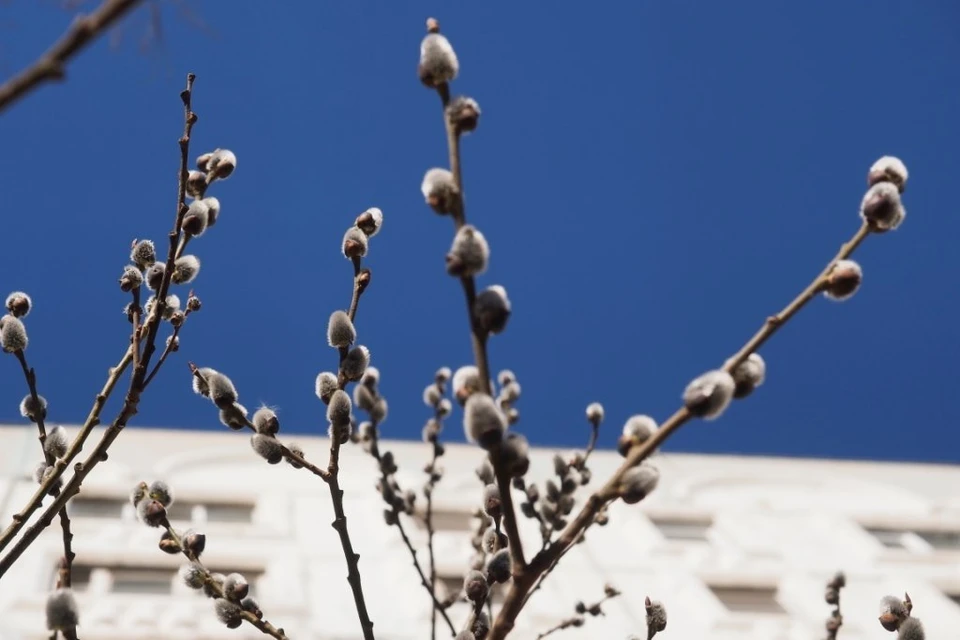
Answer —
547 558
51 65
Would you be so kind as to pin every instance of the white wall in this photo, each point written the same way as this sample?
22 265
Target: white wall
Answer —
787 524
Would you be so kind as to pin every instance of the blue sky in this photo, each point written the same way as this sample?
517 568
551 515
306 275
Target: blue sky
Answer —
654 178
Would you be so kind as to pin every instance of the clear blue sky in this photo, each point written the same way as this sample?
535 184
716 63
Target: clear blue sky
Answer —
655 178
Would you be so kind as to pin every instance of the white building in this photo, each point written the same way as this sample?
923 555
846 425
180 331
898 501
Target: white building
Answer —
738 548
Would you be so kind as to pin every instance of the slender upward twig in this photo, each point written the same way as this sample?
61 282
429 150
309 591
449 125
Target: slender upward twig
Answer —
478 339
132 399
428 519
265 627
581 608
429 585
50 66
336 493
832 596
547 558
68 555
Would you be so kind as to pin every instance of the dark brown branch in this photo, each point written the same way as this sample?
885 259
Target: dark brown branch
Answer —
50 66
265 627
522 584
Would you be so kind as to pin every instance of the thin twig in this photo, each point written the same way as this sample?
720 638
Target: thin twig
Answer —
578 620
543 576
835 621
437 605
428 519
261 624
336 493
516 597
135 336
68 555
50 66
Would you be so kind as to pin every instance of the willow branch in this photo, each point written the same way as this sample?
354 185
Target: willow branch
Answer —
31 377
478 339
51 65
336 493
516 597
265 627
428 519
132 399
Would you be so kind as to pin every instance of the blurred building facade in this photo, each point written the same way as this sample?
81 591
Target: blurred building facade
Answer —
738 548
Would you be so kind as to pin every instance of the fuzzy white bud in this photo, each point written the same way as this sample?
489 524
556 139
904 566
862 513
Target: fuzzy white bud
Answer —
13 334
492 308
595 413
325 385
340 330
221 389
63 614
196 219
469 253
143 254
56 442
234 416
213 210
888 169
911 629
356 363
338 411
185 269
843 280
483 422
154 275
466 381
131 278
438 61
882 208
463 113
19 304
431 395
498 566
638 482
265 421
33 409
656 617
440 190
709 394
221 164
370 221
355 243
267 447
749 375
